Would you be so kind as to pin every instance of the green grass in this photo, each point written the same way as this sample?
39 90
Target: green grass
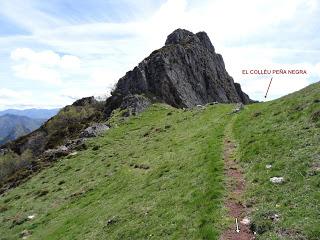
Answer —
286 134
158 175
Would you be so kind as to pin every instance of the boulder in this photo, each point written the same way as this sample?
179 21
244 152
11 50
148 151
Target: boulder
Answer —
76 144
245 221
25 234
53 154
94 130
277 180
135 104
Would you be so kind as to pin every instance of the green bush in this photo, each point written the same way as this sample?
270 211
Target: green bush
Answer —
12 163
70 121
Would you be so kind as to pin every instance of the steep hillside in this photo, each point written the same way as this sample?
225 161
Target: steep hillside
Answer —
67 124
13 126
158 175
281 139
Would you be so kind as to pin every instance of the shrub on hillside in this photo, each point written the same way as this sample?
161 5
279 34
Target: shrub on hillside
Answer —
70 121
11 164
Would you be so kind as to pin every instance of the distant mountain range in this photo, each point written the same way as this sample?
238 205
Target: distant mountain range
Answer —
15 123
33 113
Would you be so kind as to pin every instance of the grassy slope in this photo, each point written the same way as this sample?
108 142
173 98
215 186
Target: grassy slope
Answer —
157 176
286 134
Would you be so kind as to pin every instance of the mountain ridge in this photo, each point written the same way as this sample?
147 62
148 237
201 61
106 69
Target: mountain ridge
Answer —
14 126
184 73
35 113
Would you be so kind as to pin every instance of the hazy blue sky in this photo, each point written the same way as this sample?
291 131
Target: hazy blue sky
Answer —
53 52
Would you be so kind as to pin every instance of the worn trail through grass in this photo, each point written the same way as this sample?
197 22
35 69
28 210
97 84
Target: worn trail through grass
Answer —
235 187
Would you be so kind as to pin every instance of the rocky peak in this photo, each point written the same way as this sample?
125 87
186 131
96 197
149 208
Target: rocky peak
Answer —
205 41
184 73
182 36
84 101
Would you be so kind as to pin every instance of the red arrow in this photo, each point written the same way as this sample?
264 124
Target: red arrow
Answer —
268 88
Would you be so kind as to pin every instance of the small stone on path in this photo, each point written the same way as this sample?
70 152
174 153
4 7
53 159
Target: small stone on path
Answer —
245 221
30 217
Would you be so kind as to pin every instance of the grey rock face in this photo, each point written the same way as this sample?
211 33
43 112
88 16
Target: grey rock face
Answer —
76 144
53 154
94 130
135 104
84 101
243 97
184 73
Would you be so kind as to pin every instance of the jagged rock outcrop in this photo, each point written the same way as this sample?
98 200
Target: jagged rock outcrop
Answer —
184 73
134 104
85 101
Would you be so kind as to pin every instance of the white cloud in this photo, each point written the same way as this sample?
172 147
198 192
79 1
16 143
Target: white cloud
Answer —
37 72
48 58
22 99
10 94
12 98
316 70
25 14
108 49
76 93
105 77
45 66
69 62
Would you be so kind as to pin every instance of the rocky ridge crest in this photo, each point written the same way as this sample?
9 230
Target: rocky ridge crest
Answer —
184 73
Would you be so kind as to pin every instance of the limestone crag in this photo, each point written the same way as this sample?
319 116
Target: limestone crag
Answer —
184 73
